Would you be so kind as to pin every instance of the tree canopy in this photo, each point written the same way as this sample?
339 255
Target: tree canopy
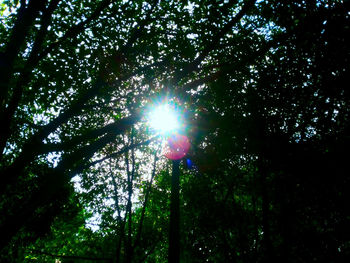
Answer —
262 89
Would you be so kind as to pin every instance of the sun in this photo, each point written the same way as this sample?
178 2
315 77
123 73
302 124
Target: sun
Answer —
164 119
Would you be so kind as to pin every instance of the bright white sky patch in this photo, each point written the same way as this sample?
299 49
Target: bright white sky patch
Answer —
164 119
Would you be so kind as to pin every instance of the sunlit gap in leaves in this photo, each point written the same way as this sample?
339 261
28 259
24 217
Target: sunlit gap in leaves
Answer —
164 119
99 176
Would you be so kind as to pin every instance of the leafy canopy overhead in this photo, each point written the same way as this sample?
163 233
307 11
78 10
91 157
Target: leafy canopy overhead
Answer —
261 87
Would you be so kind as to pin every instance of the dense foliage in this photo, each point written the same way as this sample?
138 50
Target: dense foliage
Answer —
263 90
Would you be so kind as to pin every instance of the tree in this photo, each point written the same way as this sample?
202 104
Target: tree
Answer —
274 146
262 85
48 104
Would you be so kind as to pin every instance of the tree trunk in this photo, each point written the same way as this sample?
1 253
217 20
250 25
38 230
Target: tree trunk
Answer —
174 236
267 246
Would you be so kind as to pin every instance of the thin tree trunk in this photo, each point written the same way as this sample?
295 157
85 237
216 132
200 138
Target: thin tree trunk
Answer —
130 178
286 215
120 225
174 236
267 257
256 221
148 190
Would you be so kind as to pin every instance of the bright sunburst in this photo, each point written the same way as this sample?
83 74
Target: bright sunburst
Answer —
164 119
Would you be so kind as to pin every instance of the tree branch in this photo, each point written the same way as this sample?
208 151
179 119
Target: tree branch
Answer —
25 19
113 155
36 141
75 30
213 44
7 116
68 162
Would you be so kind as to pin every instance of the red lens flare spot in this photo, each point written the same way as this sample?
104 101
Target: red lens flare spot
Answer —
177 147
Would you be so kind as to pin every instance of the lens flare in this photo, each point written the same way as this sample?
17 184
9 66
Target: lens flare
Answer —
164 119
177 147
